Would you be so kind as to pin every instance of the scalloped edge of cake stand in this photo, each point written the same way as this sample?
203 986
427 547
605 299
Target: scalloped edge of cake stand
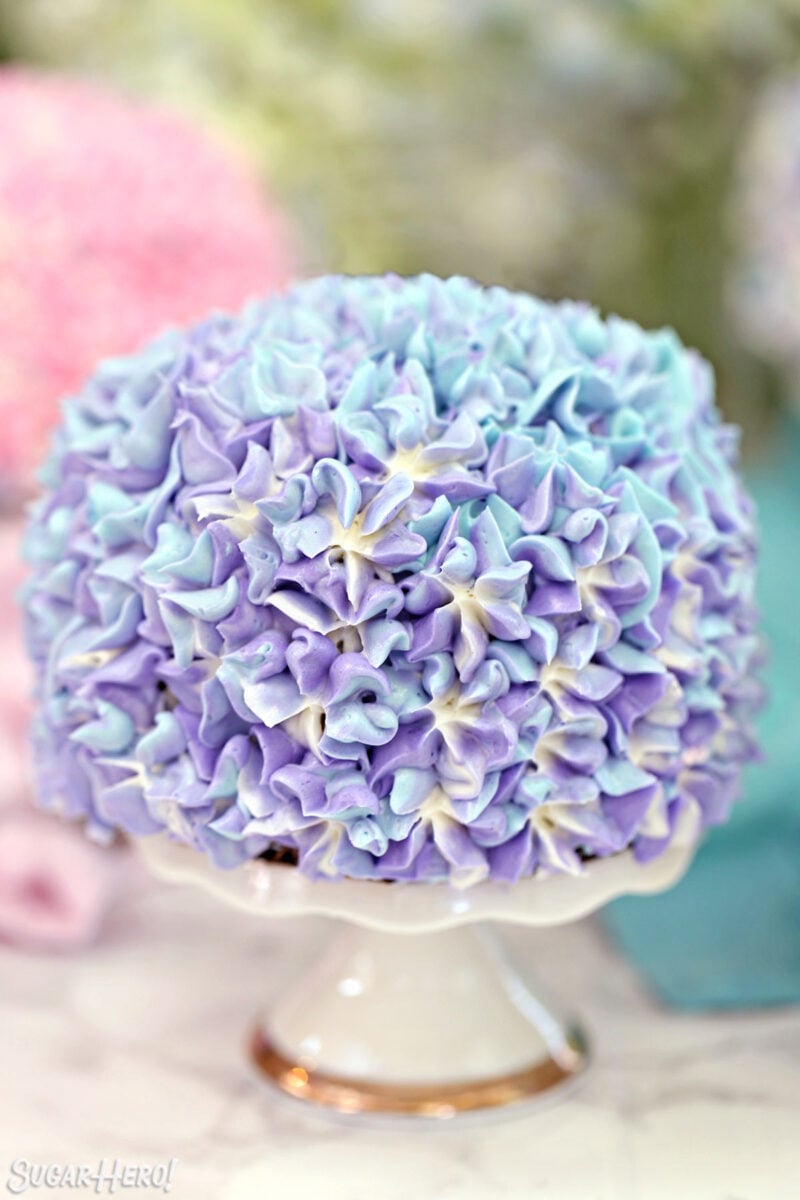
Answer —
279 890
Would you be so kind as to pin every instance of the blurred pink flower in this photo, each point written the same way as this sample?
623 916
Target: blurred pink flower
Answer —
115 219
55 885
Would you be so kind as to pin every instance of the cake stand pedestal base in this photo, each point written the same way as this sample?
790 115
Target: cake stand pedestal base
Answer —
413 1007
423 1024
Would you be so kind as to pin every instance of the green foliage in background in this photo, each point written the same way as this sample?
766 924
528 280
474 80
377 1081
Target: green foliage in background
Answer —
580 148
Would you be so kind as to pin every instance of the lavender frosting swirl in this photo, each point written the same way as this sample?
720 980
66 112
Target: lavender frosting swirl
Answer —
410 578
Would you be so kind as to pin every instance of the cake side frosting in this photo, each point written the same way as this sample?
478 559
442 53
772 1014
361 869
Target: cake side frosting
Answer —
415 579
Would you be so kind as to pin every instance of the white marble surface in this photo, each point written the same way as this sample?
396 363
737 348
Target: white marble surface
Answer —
134 1050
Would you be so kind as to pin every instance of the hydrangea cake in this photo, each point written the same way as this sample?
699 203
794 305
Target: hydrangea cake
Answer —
397 579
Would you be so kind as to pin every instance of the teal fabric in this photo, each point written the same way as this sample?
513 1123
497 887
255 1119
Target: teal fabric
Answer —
728 936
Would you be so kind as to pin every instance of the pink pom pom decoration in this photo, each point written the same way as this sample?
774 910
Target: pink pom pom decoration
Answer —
115 220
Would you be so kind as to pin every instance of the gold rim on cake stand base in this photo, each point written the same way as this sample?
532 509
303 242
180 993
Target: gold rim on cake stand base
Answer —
440 1101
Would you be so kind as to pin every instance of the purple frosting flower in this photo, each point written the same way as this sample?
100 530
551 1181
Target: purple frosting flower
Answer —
411 579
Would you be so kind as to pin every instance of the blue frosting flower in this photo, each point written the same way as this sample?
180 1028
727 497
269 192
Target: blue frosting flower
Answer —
407 579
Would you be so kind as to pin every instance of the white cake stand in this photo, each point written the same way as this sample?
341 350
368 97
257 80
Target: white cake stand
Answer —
413 1008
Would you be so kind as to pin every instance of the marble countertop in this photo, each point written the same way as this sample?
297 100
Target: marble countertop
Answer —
134 1051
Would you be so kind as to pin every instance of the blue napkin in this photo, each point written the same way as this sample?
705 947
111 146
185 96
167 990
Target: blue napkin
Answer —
728 935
